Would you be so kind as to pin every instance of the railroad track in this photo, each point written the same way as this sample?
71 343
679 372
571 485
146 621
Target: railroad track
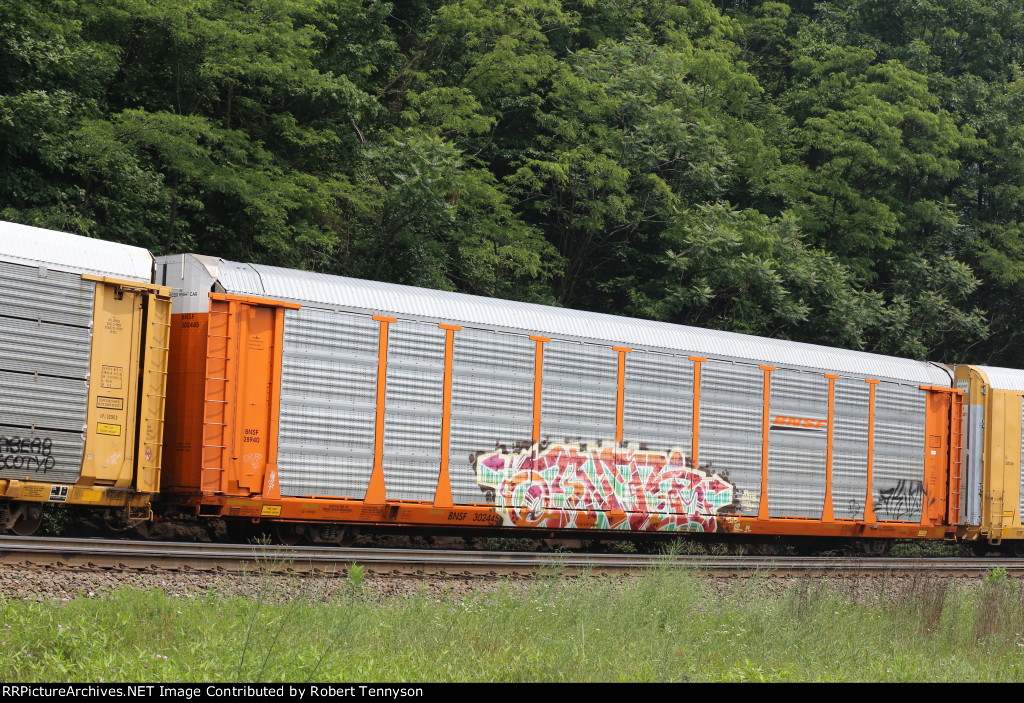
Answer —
178 556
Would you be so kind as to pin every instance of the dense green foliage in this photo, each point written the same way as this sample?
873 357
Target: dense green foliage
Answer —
849 172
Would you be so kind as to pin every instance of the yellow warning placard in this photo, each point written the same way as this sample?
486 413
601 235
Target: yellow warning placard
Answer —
270 511
104 428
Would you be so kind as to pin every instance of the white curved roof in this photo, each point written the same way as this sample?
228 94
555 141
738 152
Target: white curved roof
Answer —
1003 379
60 251
322 290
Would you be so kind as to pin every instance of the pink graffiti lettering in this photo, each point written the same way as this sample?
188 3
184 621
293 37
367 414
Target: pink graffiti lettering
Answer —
565 487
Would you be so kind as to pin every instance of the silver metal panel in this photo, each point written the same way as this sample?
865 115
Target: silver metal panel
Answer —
42 401
578 399
850 448
898 476
45 341
60 251
658 402
797 453
51 296
731 409
406 302
45 348
492 404
40 454
191 278
972 455
413 410
328 403
1004 379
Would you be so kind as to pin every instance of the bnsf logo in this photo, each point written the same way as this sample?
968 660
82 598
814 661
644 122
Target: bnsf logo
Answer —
807 422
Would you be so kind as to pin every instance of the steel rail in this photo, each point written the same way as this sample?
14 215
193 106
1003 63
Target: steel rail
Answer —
106 554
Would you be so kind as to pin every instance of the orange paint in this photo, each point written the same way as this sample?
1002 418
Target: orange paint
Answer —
620 396
235 450
956 459
376 491
939 403
869 500
443 492
271 479
762 507
828 511
538 372
221 373
697 361
252 300
186 374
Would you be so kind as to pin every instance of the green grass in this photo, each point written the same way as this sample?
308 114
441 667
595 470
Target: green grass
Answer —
667 625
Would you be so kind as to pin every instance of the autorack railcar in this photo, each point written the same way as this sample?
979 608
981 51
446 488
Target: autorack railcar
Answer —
83 355
330 404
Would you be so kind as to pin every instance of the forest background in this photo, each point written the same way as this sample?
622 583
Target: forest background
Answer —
848 173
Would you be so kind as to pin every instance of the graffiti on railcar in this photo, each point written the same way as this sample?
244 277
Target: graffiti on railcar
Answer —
571 486
27 454
902 501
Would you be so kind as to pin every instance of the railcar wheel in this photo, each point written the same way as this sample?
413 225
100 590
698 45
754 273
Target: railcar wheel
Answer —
875 547
1017 548
286 533
27 522
980 547
348 537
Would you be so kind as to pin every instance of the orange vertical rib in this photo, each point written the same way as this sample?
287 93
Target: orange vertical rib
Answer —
697 360
869 501
443 493
271 486
620 396
762 508
538 372
828 512
376 492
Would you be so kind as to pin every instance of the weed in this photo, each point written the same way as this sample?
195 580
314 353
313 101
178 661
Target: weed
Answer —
622 547
355 573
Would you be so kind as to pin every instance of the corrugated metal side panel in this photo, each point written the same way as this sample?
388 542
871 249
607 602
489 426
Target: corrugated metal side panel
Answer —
899 452
413 410
973 431
796 455
45 348
45 339
54 297
658 402
492 403
43 401
731 408
505 315
328 402
40 454
850 448
580 386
